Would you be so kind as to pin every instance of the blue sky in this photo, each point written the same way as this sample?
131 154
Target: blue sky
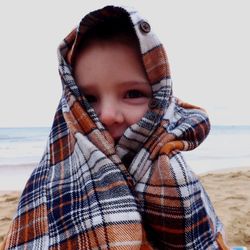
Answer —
207 44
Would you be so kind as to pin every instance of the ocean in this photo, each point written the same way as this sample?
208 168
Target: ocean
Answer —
22 145
225 147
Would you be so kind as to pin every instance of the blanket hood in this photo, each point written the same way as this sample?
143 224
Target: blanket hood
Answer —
184 121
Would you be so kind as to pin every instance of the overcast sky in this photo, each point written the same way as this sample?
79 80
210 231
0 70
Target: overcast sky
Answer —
207 44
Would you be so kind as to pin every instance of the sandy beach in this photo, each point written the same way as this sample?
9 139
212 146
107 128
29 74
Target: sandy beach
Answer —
228 190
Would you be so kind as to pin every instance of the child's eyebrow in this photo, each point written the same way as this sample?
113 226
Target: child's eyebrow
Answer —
132 83
128 83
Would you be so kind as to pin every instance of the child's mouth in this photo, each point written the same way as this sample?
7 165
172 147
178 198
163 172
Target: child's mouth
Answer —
116 140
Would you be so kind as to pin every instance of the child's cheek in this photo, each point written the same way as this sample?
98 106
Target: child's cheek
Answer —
135 113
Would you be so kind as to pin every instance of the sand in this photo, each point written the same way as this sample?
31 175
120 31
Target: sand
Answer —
8 205
229 191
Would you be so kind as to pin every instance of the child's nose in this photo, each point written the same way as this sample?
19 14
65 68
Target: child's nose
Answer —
110 113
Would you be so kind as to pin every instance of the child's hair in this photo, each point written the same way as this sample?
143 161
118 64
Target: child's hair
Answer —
113 28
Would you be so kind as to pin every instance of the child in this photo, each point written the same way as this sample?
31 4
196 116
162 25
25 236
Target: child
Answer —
112 176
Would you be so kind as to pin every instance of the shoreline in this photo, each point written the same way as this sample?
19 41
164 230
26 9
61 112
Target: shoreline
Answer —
224 170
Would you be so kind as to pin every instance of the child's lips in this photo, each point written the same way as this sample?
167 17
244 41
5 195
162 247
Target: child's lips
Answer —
116 140
116 133
116 137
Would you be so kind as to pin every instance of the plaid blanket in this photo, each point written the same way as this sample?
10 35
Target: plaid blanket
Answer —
82 196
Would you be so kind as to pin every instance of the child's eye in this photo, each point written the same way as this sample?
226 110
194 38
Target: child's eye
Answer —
134 94
91 98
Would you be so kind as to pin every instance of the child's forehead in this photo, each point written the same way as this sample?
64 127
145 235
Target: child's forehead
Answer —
114 44
110 60
119 39
113 49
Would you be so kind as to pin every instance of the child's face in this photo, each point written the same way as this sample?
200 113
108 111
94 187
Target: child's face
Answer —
111 76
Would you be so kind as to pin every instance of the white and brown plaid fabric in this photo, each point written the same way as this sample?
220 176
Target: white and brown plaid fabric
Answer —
82 196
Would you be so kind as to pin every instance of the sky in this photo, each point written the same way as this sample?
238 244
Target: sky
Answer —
207 42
